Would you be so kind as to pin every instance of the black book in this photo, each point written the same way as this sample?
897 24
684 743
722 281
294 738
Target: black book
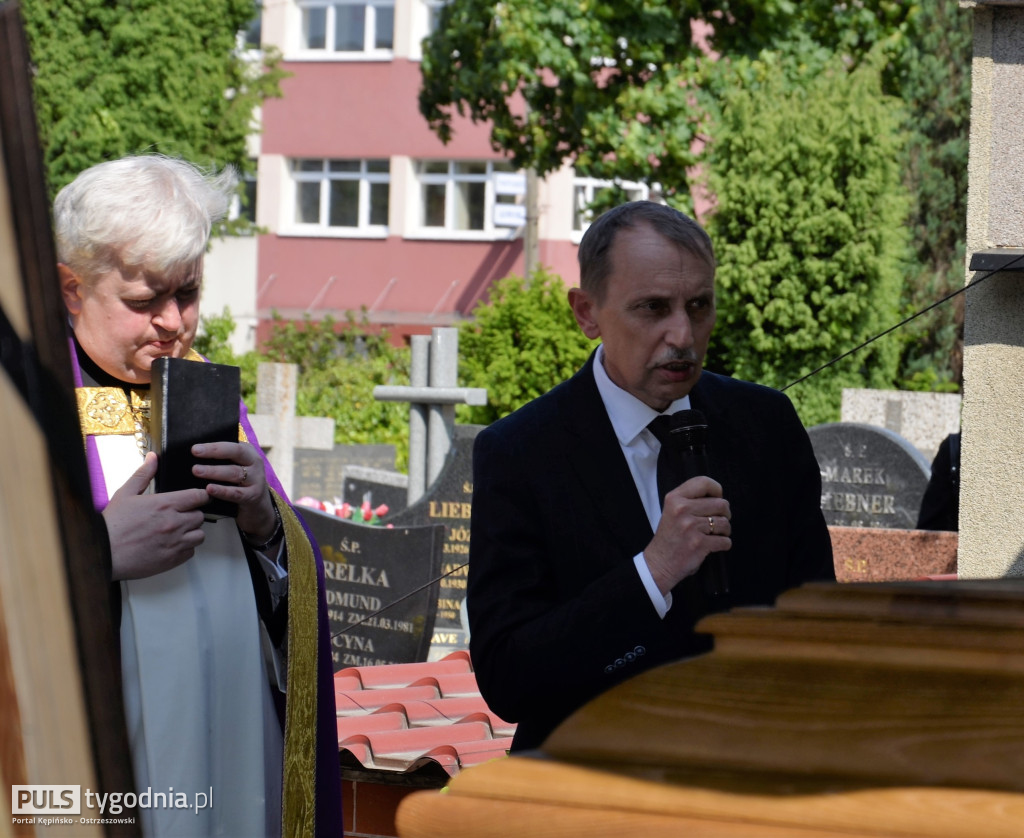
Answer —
192 402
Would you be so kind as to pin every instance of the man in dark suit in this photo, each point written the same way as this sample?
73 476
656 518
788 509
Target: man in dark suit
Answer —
577 577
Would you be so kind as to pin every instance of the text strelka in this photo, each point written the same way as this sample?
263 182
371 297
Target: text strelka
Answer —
360 574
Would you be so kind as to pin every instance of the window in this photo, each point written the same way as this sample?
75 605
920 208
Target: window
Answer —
460 195
592 197
244 205
423 22
433 8
251 37
341 195
355 26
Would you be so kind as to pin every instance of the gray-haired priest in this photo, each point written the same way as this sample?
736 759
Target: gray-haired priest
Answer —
225 658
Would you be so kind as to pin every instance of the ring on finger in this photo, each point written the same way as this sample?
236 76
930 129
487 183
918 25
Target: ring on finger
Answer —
245 474
711 524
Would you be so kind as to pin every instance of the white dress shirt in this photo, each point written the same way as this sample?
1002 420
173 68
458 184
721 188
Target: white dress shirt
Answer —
630 418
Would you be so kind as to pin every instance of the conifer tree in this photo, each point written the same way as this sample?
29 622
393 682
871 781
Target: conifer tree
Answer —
810 229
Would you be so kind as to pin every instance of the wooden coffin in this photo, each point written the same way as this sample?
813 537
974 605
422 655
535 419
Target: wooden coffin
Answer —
890 709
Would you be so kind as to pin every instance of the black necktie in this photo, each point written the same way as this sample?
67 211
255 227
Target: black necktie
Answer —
669 472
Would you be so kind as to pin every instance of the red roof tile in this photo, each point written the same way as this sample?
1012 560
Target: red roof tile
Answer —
403 717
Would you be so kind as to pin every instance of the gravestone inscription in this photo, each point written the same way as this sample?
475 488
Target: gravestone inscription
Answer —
381 588
870 476
448 501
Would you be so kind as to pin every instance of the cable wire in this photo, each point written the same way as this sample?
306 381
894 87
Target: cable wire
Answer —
950 296
402 598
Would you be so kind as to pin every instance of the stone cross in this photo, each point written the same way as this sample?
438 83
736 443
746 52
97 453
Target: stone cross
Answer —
279 430
432 395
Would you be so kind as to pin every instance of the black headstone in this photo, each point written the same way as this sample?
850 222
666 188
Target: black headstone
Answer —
870 476
375 486
381 588
318 474
448 501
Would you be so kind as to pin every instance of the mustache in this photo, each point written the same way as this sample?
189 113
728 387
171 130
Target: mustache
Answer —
676 356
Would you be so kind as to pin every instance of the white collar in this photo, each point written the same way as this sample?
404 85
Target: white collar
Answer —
629 415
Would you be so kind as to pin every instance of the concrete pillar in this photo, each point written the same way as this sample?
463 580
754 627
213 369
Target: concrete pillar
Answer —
992 476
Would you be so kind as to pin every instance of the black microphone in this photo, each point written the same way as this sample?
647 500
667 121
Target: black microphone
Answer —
688 433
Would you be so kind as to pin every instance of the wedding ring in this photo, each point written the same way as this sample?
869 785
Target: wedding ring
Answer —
711 523
245 474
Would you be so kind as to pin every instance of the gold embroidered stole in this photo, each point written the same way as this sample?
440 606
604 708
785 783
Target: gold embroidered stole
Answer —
300 730
107 410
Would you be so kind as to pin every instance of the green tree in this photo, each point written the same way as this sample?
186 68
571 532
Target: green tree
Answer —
932 74
520 343
212 341
610 86
115 78
213 337
809 228
926 49
584 71
339 365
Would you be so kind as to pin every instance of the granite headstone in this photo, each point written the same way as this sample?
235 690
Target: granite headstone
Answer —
320 474
870 476
448 501
381 587
375 486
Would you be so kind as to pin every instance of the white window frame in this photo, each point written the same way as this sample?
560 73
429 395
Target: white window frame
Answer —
322 228
433 8
451 179
328 50
424 12
583 190
249 183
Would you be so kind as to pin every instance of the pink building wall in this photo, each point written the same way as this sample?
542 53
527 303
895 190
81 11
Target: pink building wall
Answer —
342 109
360 109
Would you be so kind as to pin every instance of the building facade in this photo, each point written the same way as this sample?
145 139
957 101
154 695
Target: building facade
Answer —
364 208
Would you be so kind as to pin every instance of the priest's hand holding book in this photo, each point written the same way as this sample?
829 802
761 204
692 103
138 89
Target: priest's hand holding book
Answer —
238 477
151 533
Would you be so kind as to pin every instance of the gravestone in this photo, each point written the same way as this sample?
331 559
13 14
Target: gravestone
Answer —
448 501
381 588
320 474
375 486
870 476
923 419
277 427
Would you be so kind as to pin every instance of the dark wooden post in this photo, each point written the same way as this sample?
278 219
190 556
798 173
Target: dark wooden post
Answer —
60 693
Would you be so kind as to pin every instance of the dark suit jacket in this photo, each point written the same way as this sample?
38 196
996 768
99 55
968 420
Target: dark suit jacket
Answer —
557 611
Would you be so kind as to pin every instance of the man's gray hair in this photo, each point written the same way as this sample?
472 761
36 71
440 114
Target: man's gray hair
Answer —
594 253
147 210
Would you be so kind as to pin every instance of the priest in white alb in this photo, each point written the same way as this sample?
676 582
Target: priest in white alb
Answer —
225 656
